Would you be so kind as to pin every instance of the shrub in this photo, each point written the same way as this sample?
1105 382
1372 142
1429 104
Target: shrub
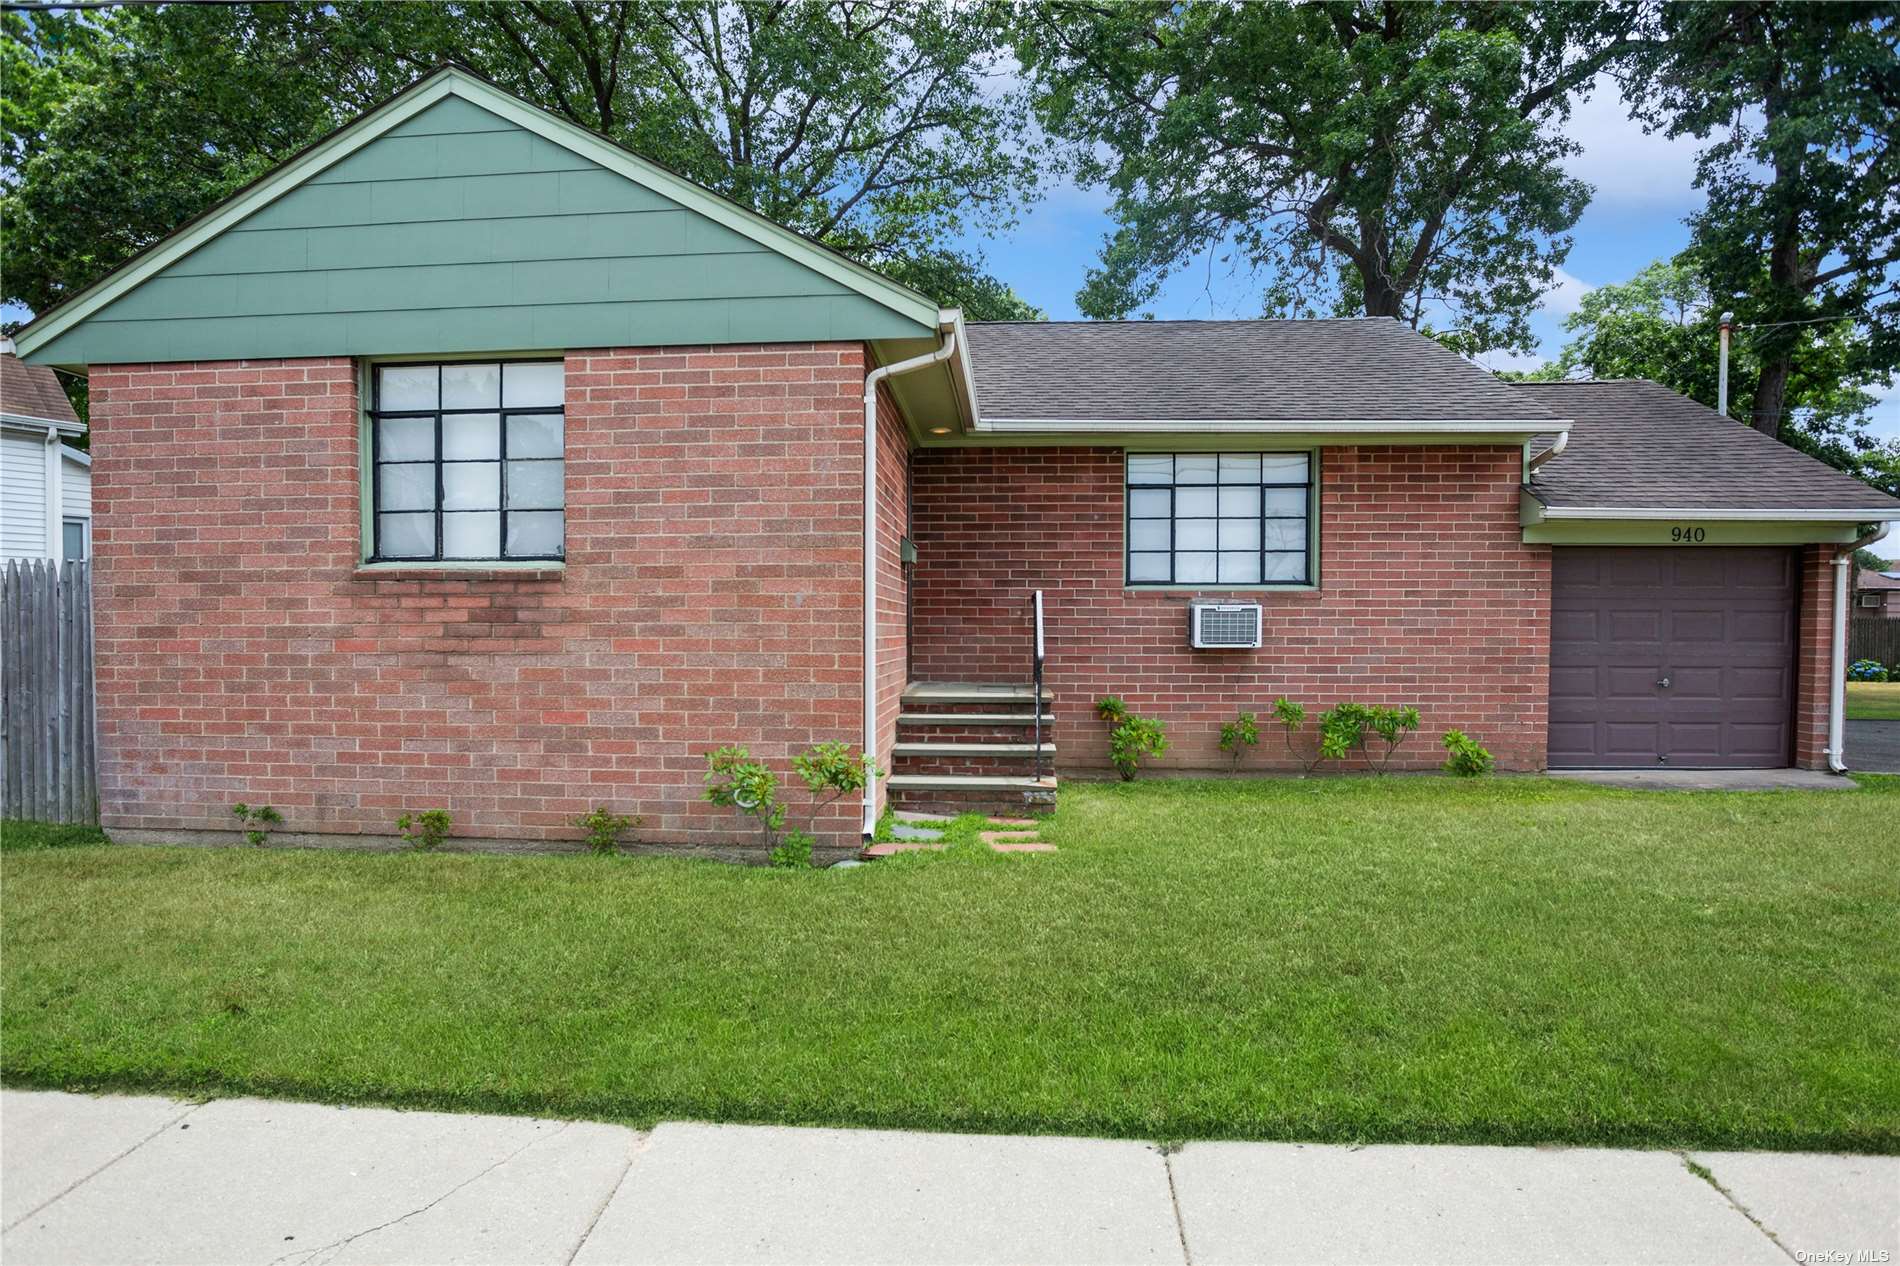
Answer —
1133 739
1238 735
1467 757
603 829
261 819
426 830
1291 717
829 770
1342 728
1392 725
1868 670
1111 710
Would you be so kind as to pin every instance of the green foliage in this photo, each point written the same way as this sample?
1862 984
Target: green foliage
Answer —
1467 758
19 835
878 129
1342 730
259 820
1111 709
1391 725
1291 717
1135 738
426 830
1800 231
603 829
1368 157
828 770
1239 734
1867 670
1870 561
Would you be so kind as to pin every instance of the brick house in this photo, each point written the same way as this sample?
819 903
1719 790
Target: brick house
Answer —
1877 593
468 460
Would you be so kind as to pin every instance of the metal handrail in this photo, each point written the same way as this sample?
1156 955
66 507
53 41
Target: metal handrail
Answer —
1035 673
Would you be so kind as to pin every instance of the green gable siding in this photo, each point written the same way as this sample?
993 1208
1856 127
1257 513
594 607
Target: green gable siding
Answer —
459 231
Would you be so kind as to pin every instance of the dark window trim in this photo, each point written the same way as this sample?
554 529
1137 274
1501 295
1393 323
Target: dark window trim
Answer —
1306 551
501 413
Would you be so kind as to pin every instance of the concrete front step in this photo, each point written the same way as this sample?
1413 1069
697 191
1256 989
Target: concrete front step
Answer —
972 692
974 718
971 749
968 782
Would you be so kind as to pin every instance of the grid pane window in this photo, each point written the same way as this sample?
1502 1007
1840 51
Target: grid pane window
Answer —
467 461
1219 518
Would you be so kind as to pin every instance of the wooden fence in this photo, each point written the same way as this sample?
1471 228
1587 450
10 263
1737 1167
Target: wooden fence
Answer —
48 750
1874 637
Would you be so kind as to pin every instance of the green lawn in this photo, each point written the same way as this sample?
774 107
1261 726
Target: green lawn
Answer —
1509 960
1873 701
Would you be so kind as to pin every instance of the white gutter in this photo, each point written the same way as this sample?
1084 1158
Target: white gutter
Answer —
1790 515
1837 686
1260 426
948 320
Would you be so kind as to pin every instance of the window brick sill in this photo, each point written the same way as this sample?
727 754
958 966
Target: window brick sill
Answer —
476 571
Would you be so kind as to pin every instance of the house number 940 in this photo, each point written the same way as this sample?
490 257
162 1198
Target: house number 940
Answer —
1689 535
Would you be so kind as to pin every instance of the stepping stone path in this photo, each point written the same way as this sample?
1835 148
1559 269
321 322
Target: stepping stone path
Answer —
916 832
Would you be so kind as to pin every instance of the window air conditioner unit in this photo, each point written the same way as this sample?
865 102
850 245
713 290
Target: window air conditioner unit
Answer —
1223 626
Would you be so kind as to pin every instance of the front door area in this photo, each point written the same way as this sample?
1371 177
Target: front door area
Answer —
1680 658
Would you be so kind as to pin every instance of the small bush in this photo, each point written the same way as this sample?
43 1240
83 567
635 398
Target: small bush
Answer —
829 771
603 829
1392 725
426 830
1291 717
1342 728
1868 670
260 819
1238 735
1133 739
1111 710
1467 757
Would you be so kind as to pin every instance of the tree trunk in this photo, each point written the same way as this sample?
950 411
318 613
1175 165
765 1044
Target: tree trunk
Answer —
1771 393
1381 298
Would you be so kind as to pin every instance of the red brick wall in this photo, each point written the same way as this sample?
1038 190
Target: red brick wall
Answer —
712 594
893 523
1813 658
1428 596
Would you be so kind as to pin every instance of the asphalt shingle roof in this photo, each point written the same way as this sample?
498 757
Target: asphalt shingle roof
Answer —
1637 444
32 391
1272 371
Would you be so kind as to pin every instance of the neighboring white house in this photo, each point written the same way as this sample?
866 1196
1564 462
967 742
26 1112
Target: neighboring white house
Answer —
45 483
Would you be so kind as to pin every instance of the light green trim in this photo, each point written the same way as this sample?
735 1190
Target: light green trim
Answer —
1210 442
1315 512
1714 532
602 311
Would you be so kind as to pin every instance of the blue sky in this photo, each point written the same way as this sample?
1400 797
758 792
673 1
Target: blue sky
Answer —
1644 188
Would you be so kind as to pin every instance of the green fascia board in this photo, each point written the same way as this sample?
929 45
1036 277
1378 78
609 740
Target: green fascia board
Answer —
1688 531
247 258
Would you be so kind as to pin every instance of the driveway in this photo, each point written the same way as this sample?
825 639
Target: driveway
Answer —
125 1179
1873 747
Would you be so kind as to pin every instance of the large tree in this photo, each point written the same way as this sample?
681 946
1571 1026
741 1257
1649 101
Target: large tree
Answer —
1662 325
876 126
1370 156
1801 106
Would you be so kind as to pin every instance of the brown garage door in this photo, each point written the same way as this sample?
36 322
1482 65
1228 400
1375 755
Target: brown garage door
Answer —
1679 657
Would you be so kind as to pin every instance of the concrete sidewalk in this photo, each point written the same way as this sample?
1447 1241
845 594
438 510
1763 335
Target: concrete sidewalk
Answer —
120 1179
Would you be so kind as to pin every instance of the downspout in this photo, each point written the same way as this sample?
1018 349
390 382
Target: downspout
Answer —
871 381
1837 685
1563 441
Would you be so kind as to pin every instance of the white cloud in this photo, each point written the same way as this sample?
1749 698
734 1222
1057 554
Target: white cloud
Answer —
1566 294
1628 167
